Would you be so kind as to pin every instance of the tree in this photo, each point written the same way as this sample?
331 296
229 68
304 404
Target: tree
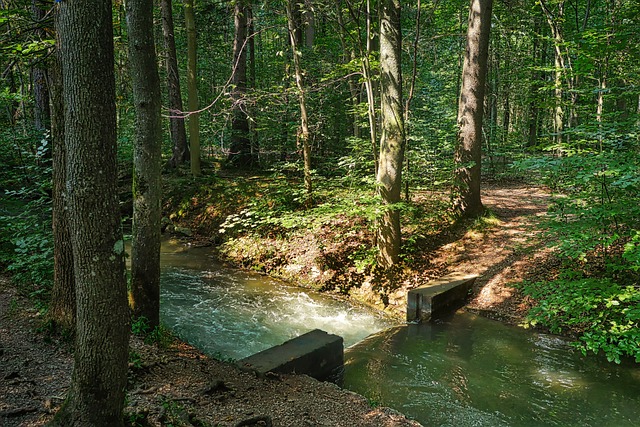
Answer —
147 150
96 394
62 309
192 86
471 110
294 38
392 138
39 76
178 133
240 151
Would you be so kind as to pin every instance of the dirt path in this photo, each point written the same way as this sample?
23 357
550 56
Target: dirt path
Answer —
505 253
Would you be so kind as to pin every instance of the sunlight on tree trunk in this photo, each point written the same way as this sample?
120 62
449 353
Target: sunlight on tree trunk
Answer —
471 111
392 139
304 123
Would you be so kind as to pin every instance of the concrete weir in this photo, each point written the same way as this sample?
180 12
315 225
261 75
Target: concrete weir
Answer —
438 297
316 353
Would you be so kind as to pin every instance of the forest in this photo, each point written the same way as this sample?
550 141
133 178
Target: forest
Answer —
344 146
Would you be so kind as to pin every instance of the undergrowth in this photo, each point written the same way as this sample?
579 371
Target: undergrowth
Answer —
594 223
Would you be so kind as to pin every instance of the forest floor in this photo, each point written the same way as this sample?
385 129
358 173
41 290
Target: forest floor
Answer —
177 385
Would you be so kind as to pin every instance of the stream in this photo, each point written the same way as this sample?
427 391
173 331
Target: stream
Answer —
462 371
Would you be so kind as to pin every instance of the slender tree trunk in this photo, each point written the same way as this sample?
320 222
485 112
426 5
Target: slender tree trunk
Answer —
304 121
349 55
412 86
310 24
176 124
192 86
534 111
62 309
96 395
41 114
368 84
559 64
392 138
240 150
147 150
471 111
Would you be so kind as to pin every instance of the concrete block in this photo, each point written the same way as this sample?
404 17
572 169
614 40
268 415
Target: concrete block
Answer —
439 297
317 354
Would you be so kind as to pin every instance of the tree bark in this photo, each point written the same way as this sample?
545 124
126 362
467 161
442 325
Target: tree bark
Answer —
392 138
62 309
240 150
192 87
176 124
303 135
41 113
471 111
147 151
96 394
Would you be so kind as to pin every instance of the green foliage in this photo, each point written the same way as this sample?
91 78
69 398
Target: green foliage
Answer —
281 208
135 359
605 315
597 205
26 241
159 335
594 223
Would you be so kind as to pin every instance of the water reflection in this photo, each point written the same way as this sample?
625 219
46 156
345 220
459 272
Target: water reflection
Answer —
466 371
470 371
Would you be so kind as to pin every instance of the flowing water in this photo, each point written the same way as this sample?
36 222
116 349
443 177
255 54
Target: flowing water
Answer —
471 371
465 371
234 314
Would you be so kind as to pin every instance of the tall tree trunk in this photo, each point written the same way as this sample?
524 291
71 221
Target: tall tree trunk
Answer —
240 150
41 116
349 55
176 124
392 138
62 309
310 24
96 395
471 111
368 84
147 151
192 86
304 121
536 83
559 64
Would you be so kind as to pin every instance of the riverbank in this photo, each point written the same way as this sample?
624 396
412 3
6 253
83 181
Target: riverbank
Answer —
173 385
181 386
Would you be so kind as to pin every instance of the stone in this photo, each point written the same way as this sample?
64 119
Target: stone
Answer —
316 353
439 297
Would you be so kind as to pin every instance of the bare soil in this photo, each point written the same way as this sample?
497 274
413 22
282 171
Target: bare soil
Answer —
180 386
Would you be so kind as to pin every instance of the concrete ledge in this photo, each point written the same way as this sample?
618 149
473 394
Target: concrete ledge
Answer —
439 297
317 354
